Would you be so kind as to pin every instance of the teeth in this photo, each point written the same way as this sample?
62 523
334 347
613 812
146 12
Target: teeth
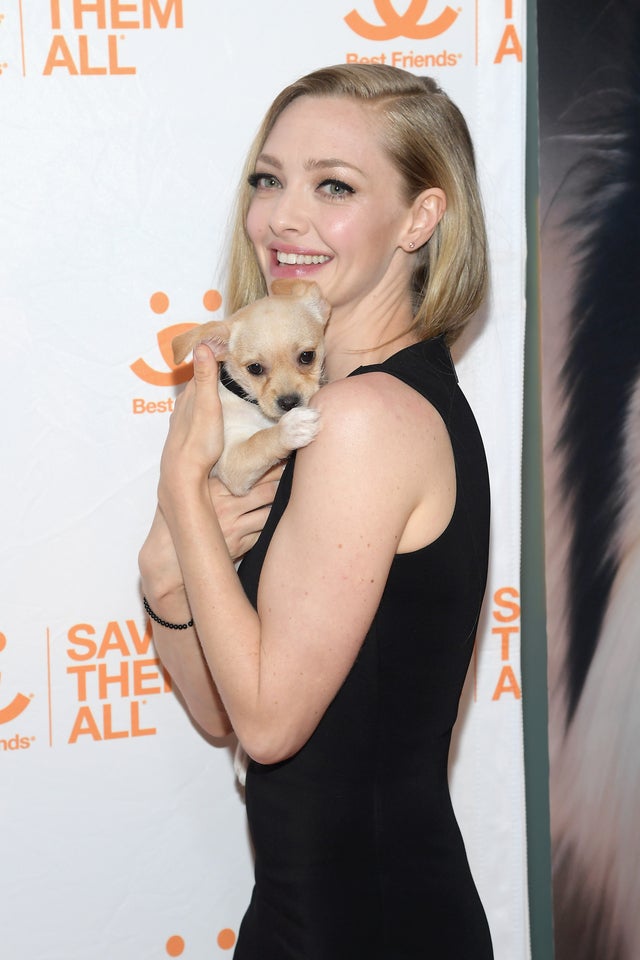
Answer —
299 258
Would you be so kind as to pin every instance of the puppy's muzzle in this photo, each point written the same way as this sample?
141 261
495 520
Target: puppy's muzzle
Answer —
289 401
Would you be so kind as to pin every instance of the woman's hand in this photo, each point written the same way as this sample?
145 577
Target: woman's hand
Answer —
196 431
242 518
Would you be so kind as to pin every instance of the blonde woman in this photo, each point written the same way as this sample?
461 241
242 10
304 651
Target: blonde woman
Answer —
338 653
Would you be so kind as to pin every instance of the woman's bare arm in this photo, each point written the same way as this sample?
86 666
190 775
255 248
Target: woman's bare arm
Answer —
241 519
382 457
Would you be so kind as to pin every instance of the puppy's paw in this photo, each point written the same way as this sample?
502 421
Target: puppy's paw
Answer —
299 427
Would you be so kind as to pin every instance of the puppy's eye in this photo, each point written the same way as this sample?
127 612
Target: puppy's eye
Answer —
255 369
307 357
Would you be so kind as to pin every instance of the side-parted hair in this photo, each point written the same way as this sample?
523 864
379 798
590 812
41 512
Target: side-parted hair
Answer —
427 139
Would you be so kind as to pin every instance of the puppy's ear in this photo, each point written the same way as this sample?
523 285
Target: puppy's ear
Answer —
219 346
321 308
183 344
307 290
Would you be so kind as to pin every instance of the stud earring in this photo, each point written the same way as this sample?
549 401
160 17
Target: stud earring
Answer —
411 245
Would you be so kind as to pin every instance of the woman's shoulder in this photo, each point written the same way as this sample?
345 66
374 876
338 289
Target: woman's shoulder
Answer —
371 415
382 448
372 395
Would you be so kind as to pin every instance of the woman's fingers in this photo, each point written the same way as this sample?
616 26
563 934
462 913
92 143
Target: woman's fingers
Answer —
196 435
202 394
242 518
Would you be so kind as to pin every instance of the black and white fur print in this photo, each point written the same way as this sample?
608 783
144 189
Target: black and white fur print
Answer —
595 777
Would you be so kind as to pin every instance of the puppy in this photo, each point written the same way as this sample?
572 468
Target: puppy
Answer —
272 354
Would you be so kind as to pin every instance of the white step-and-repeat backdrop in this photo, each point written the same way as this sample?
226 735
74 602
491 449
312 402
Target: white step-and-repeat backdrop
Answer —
123 126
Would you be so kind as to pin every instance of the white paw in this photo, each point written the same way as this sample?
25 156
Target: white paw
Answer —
299 427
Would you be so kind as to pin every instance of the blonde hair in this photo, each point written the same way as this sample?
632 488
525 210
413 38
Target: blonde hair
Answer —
428 141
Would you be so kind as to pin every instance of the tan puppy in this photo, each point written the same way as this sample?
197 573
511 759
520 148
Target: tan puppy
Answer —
272 352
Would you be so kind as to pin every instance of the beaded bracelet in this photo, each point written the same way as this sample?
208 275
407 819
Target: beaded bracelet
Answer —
165 623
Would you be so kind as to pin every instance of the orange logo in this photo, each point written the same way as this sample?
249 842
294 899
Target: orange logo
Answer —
401 25
175 945
159 303
114 674
19 703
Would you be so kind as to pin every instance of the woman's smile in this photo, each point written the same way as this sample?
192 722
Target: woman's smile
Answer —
296 262
300 258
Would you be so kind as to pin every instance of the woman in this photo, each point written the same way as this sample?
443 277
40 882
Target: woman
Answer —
338 656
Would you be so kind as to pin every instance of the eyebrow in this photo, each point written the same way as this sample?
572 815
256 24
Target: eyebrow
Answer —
328 163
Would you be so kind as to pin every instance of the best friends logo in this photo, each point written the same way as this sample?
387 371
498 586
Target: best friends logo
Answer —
11 713
420 21
408 24
174 375
427 21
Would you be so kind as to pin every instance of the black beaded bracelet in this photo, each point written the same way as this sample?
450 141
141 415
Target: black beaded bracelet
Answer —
165 623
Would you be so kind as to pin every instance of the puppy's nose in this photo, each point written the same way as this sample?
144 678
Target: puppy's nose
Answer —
289 401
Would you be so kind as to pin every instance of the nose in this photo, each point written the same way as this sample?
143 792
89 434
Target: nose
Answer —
288 213
289 401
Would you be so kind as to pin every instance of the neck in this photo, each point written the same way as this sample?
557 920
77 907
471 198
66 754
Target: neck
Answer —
357 341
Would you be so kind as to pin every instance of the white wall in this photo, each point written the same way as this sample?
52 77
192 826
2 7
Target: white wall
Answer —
123 129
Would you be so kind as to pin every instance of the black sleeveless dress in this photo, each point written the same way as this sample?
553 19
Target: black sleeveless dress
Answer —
358 855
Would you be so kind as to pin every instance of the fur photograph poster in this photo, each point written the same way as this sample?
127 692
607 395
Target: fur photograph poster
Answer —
589 90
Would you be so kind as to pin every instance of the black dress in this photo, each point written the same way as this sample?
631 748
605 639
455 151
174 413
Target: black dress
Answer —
358 855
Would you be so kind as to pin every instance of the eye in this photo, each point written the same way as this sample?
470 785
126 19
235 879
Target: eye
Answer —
263 181
255 369
336 188
307 357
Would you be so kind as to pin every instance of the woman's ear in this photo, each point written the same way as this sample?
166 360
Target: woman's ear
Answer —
426 213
